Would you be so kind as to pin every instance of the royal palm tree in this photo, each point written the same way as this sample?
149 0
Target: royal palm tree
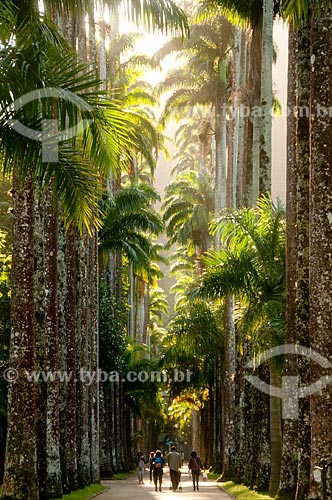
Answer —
194 340
188 206
48 62
158 310
251 265
303 16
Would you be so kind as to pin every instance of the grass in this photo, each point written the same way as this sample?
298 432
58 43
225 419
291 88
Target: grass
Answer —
122 475
213 475
85 493
242 492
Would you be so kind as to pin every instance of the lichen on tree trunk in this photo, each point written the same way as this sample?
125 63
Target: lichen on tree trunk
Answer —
20 478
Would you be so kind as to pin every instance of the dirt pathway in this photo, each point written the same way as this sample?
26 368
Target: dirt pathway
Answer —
129 489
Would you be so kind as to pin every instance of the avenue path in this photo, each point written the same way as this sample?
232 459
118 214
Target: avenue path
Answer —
129 489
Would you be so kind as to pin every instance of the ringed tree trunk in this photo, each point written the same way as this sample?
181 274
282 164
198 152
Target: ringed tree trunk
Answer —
242 124
266 99
288 476
83 365
255 76
217 402
303 306
320 257
94 359
54 483
275 432
228 390
70 318
20 478
221 147
195 426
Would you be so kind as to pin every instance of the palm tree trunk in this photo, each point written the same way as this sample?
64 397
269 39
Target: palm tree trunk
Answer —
20 478
70 316
221 148
288 475
83 414
275 433
229 390
303 305
195 426
320 258
106 471
266 99
94 343
240 160
54 484
255 77
40 344
217 437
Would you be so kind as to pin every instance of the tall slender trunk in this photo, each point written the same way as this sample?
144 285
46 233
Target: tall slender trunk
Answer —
70 315
320 257
255 64
94 343
228 390
221 149
82 367
217 436
288 476
241 150
195 426
40 343
54 483
302 298
20 478
275 432
266 99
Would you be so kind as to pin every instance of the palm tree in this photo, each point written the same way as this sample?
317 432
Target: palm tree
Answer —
251 266
158 310
205 83
194 341
188 206
129 219
70 176
300 16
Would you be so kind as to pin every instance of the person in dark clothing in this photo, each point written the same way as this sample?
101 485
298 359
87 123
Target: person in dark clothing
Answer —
158 464
195 465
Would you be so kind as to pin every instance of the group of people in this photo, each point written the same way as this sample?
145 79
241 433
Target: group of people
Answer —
174 461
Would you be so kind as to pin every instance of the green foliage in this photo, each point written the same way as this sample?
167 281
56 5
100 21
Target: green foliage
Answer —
188 205
161 15
112 330
194 337
85 493
251 265
198 80
143 394
42 59
129 226
118 354
241 492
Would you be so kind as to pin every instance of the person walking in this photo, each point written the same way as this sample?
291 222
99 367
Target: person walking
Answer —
140 467
174 463
158 464
151 465
195 465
